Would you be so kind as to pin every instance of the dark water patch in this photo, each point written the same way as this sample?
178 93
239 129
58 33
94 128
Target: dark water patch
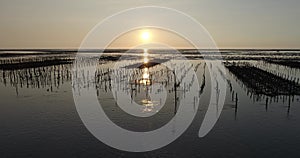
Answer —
149 64
35 64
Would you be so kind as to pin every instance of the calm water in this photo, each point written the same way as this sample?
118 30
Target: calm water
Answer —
260 118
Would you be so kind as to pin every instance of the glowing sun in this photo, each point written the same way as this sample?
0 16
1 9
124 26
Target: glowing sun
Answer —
145 35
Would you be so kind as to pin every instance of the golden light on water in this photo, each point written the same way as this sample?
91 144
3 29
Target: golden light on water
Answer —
145 52
146 77
148 105
146 60
146 74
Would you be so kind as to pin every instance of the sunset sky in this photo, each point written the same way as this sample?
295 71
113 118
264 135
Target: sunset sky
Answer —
232 23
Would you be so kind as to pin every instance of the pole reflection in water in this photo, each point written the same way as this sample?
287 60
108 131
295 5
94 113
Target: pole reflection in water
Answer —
146 81
44 104
264 82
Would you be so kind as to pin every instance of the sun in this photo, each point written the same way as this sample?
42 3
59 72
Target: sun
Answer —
145 35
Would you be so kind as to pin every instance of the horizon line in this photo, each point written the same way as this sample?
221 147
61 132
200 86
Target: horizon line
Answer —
94 49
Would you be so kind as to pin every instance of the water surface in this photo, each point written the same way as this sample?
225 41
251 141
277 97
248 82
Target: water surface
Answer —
39 117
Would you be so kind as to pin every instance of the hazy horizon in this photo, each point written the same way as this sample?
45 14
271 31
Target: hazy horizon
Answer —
32 24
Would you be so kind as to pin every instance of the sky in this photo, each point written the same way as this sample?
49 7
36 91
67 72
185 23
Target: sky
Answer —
150 38
231 23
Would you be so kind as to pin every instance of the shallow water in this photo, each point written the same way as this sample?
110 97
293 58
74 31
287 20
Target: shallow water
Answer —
39 117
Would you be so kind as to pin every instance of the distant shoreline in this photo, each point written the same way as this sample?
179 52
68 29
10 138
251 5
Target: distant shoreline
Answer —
34 52
124 50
